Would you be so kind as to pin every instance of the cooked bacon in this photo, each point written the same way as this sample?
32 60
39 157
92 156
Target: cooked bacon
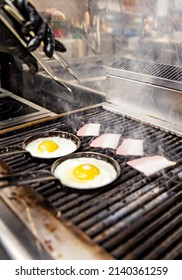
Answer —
107 140
130 147
90 129
150 165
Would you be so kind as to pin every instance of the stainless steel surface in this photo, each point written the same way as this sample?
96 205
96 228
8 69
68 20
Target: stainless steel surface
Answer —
151 98
51 238
16 241
39 114
12 247
157 74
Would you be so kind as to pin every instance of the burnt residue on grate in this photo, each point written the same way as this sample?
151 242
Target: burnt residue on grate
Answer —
137 217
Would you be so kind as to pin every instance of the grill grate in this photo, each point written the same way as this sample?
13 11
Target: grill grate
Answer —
138 217
169 72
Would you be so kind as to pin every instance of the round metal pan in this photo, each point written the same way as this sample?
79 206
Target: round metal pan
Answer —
23 147
24 178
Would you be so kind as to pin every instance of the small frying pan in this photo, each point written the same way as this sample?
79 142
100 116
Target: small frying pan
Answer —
23 148
24 178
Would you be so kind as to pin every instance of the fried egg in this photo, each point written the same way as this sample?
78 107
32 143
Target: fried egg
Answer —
51 147
84 173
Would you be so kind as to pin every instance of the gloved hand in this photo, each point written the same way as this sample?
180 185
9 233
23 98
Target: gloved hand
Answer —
33 22
9 44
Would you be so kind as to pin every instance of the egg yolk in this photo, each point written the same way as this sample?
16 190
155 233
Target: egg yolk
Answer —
48 146
86 172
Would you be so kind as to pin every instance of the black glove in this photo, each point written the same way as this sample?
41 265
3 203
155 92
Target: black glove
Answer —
33 22
9 44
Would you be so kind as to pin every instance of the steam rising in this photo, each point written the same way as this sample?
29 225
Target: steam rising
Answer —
98 34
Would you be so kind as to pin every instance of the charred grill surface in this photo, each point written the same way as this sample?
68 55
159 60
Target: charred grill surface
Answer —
137 217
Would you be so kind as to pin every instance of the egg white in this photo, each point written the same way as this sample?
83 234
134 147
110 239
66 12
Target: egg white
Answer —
64 173
65 147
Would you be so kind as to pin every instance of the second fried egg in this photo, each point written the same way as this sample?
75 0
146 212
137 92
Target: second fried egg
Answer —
51 147
84 173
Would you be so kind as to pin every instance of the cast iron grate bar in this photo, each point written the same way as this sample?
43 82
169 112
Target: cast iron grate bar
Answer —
134 235
129 212
175 253
145 227
169 242
135 210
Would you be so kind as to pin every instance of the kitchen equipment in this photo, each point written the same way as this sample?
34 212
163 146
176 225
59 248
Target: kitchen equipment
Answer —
15 110
132 219
20 179
23 147
147 91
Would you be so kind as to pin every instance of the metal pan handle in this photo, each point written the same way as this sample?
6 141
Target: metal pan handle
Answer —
11 150
24 178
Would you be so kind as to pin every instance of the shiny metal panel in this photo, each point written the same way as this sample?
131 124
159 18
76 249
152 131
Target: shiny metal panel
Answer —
149 98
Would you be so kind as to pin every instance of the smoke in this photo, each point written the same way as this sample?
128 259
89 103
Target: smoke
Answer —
144 34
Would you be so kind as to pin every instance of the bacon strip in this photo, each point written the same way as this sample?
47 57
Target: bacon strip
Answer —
130 147
150 165
107 140
90 129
